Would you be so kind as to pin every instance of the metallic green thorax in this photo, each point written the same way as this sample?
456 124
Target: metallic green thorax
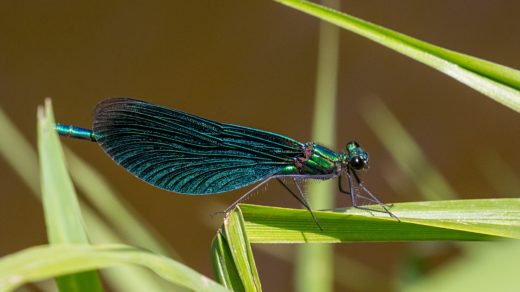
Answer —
319 160
316 159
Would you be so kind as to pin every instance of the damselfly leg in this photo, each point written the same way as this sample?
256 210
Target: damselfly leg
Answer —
301 198
354 195
297 195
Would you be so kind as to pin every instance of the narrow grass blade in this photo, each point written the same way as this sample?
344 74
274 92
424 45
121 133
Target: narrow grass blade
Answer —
17 150
464 220
498 82
38 263
235 234
62 213
314 263
223 265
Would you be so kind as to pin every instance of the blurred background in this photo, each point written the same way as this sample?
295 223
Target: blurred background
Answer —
254 63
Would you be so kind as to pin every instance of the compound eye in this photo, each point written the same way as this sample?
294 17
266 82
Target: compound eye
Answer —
357 163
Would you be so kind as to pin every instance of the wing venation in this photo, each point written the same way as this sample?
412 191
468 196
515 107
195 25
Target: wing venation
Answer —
187 154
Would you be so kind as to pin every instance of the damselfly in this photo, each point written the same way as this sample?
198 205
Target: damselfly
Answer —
187 154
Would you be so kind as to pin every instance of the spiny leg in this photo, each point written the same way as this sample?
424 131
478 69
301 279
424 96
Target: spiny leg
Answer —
342 190
340 186
374 199
378 202
250 192
301 199
246 195
353 194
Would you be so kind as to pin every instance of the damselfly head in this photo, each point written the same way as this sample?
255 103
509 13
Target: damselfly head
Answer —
356 157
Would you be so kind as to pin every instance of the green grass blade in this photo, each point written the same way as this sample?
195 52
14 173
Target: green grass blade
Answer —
18 152
38 263
314 263
223 265
235 234
62 213
349 273
498 82
484 219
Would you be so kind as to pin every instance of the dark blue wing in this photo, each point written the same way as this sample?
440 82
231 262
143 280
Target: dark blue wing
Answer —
187 154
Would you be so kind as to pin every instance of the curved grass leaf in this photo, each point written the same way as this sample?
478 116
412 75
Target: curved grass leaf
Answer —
18 152
483 219
234 232
62 212
348 273
498 82
42 262
63 217
224 267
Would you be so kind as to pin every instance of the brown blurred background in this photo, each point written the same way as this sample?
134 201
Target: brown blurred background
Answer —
251 63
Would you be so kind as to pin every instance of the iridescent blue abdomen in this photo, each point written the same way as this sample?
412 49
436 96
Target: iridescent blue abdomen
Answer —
74 132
